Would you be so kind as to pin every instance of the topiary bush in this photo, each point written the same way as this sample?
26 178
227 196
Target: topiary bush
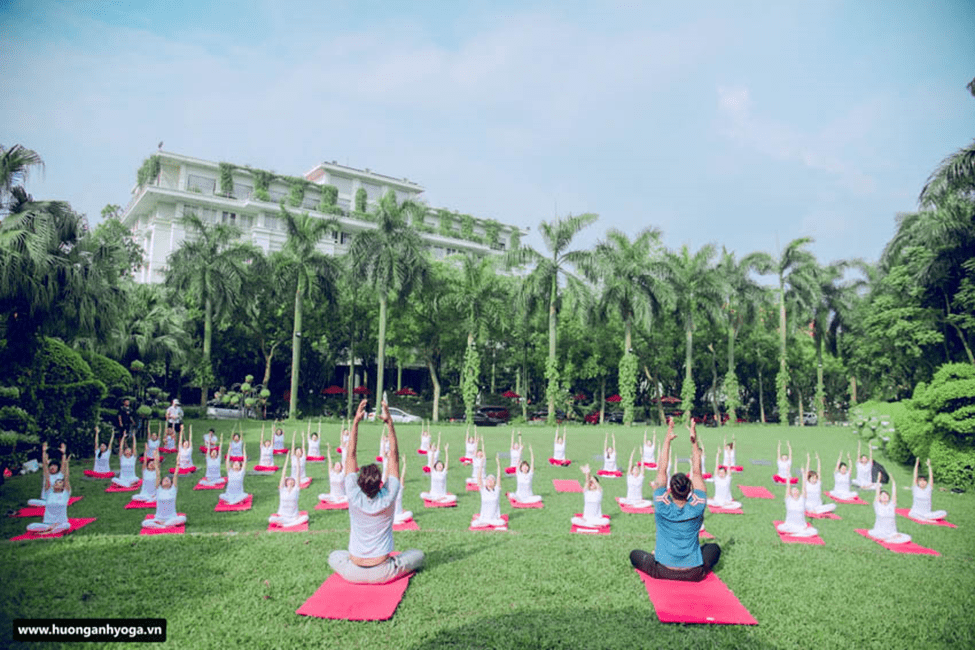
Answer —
113 374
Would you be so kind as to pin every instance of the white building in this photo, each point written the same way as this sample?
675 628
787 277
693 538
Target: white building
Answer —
171 185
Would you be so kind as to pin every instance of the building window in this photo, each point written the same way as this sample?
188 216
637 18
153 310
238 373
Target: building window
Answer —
200 184
229 217
277 196
243 192
310 202
345 238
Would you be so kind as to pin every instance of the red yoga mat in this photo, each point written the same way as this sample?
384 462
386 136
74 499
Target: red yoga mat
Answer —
218 486
858 501
566 485
305 483
524 506
606 474
488 528
510 470
138 505
168 450
183 470
755 492
38 511
589 530
426 469
75 525
246 504
559 463
825 515
792 539
438 504
780 479
281 452
466 461
703 534
270 469
419 451
90 473
927 522
709 601
325 505
409 524
910 548
472 487
315 459
172 530
277 528
733 468
118 488
634 511
650 465
714 510
337 599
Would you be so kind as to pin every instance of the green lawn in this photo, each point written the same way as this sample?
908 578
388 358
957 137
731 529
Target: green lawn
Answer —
227 582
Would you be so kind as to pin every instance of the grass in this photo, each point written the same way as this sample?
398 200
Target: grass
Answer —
228 582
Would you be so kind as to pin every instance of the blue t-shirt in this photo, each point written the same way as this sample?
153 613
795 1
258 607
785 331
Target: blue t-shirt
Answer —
677 529
371 520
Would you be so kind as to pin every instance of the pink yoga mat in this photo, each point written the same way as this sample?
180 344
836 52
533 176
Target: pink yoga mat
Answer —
118 488
793 480
38 511
650 465
755 492
268 469
825 515
910 548
219 486
183 471
525 506
277 528
791 539
325 505
567 485
704 535
606 474
489 528
172 530
246 504
282 452
409 524
714 510
304 484
472 487
510 470
706 602
589 530
314 459
75 525
559 463
858 501
634 511
927 522
340 600
438 504
90 473
135 505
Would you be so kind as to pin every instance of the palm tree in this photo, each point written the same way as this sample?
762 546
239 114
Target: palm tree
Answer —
543 281
954 175
209 267
476 297
698 290
742 297
796 269
15 165
312 274
829 318
630 275
392 258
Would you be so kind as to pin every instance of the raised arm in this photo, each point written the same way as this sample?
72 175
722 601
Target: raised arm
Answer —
839 459
284 474
717 456
262 435
805 479
629 464
917 462
531 454
789 443
328 455
145 457
930 476
587 475
65 462
243 449
394 458
697 481
605 442
446 457
175 474
614 443
220 446
480 477
44 462
819 467
96 441
663 457
778 451
512 446
155 457
893 490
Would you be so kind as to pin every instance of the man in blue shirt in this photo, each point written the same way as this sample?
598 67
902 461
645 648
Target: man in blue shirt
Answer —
372 506
679 513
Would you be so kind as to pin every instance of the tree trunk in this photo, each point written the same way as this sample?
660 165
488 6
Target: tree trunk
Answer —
552 335
761 391
494 363
381 358
781 325
656 389
436 390
627 336
820 393
268 356
351 382
207 342
296 348
732 333
602 401
399 374
853 390
714 386
799 395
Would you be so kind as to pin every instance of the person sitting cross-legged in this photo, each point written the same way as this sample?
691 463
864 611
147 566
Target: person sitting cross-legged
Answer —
372 507
679 514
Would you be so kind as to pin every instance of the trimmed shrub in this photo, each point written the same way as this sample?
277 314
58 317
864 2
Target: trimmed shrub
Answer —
953 464
113 374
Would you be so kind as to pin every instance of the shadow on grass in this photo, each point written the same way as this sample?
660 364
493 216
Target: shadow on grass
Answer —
589 627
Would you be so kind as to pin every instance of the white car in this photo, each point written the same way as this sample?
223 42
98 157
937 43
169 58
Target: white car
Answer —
398 415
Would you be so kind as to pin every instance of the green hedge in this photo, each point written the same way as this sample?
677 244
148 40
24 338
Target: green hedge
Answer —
113 374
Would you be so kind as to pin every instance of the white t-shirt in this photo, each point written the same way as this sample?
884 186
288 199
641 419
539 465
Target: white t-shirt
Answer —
371 520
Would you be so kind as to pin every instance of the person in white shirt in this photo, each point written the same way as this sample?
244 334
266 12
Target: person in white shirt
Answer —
841 480
438 481
722 487
795 513
525 475
784 466
814 490
51 475
649 453
287 515
127 458
921 490
558 449
56 505
490 491
634 484
592 512
371 512
166 515
884 508
174 417
864 476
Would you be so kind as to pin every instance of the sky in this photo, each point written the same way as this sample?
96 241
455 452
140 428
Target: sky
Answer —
742 124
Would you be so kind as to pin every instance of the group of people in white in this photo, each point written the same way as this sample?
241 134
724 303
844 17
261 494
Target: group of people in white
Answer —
802 499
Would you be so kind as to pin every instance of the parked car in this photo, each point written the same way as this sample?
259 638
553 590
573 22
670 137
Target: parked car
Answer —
809 419
486 416
496 412
542 415
397 415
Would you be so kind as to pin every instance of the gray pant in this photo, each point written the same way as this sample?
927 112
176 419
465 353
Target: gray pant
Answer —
392 568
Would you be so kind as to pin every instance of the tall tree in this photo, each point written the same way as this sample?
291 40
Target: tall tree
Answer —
796 271
543 282
630 276
311 273
392 258
208 266
830 315
15 165
698 290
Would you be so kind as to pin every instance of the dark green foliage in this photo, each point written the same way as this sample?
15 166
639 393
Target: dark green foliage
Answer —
446 223
149 170
491 231
329 200
262 182
227 179
296 191
467 227
116 378
360 199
